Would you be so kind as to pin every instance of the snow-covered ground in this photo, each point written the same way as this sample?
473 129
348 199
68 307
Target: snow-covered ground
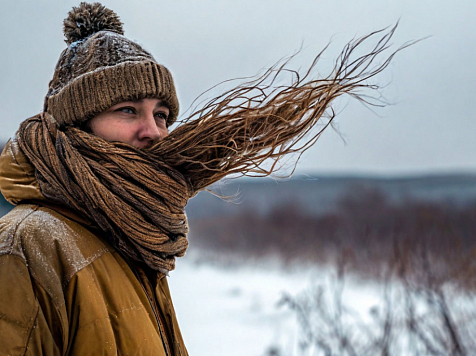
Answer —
234 310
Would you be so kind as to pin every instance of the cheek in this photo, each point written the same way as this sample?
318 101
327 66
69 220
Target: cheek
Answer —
101 128
163 132
111 130
96 124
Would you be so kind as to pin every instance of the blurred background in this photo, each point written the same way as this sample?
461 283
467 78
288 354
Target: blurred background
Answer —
379 217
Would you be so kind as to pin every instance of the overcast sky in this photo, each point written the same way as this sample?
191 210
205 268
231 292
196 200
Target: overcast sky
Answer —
431 126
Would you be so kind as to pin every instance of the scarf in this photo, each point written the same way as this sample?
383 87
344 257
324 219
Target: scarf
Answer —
138 196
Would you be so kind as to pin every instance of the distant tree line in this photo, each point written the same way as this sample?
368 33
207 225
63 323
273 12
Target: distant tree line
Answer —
370 231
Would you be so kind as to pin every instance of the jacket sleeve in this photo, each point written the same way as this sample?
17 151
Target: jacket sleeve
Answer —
25 323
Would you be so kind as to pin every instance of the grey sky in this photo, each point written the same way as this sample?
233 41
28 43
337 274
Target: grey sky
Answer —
430 128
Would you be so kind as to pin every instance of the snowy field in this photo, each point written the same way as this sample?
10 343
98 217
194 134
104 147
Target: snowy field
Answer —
234 310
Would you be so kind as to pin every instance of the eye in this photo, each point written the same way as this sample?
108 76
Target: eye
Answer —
127 110
161 115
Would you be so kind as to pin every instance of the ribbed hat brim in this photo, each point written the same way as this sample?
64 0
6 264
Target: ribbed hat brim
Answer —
93 92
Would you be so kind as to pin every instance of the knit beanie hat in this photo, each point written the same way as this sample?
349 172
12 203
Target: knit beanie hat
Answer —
101 68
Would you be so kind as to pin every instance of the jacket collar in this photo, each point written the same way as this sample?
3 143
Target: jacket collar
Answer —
17 177
18 183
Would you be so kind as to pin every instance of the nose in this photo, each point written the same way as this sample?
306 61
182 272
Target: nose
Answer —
149 132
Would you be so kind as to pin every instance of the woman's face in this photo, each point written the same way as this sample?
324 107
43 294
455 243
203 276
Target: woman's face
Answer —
139 123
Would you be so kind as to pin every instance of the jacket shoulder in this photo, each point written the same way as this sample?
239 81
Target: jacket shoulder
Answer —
40 251
53 247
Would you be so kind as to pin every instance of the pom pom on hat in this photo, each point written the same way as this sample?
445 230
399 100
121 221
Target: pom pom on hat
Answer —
87 19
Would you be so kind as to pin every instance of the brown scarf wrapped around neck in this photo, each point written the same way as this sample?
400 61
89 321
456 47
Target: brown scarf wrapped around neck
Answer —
134 197
138 196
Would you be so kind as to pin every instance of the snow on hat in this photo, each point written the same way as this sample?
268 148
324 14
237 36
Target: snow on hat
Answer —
101 68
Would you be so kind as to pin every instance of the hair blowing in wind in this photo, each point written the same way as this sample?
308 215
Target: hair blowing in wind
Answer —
260 121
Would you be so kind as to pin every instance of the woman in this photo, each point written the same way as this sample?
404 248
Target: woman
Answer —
100 187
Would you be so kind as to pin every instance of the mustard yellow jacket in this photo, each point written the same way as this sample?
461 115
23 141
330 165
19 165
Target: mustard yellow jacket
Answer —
64 290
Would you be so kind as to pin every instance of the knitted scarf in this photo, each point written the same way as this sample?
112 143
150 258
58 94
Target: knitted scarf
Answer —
138 196
135 197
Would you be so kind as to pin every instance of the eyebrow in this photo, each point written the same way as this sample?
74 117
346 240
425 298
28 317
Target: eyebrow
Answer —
159 103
